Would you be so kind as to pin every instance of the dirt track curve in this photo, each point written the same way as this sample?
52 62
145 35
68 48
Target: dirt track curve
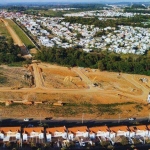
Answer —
13 34
40 88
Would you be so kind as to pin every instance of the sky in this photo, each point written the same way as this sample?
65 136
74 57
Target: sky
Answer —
9 1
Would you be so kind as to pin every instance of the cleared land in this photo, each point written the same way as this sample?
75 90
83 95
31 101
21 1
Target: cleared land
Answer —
113 94
12 77
4 31
14 36
97 94
23 37
62 78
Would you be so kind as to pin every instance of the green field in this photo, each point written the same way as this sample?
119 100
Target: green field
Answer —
20 33
4 31
51 13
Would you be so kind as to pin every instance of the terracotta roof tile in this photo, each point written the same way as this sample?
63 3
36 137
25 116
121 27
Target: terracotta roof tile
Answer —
117 128
99 128
12 129
31 129
58 129
148 126
75 129
138 127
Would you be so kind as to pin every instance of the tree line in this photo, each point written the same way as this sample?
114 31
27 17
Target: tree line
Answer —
8 51
129 21
105 60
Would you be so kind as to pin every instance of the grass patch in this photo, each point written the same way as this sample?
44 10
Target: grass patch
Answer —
3 31
73 109
3 80
16 64
20 33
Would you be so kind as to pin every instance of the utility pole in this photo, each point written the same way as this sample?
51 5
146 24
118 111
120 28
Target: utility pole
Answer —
40 118
82 117
149 117
119 118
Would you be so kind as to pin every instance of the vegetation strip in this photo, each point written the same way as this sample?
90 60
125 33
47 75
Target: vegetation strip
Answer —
20 33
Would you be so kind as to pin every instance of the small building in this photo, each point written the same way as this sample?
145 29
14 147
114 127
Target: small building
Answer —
76 132
56 132
140 130
10 134
148 98
34 134
100 131
119 131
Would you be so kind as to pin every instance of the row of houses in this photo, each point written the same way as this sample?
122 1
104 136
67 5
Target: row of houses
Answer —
103 13
125 39
40 135
56 32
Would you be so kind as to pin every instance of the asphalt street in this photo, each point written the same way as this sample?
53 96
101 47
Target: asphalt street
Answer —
71 123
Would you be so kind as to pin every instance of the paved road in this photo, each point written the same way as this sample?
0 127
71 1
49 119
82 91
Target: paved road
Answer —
71 123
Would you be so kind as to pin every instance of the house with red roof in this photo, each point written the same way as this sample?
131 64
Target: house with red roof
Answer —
76 132
100 131
138 130
56 132
35 134
10 134
119 131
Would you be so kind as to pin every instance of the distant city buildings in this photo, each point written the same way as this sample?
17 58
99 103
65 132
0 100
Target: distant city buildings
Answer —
54 32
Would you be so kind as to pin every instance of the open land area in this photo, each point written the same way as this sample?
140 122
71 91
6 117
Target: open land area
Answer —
97 94
69 92
23 37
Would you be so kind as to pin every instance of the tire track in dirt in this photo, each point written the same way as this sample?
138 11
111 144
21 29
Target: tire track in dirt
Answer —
13 34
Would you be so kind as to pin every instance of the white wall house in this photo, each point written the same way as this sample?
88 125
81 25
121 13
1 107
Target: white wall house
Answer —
100 131
140 130
33 133
56 132
74 132
10 132
119 131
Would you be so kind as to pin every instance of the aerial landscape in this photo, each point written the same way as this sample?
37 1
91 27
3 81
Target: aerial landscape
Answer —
74 75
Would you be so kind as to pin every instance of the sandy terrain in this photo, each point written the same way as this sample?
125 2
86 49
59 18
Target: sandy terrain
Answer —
15 37
110 88
54 83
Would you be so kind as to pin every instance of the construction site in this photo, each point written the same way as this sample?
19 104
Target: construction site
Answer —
57 91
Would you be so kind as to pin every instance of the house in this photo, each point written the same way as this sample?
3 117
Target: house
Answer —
76 132
35 134
140 130
148 128
119 131
56 132
10 134
100 131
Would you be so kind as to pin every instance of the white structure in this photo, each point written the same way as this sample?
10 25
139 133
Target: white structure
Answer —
33 132
10 132
119 131
101 131
148 98
140 130
56 132
74 132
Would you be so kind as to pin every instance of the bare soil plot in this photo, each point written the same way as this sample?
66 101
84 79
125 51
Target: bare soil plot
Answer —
3 30
11 77
62 77
18 31
112 81
123 94
13 34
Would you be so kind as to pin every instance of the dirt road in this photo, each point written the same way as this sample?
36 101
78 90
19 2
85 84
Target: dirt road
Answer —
13 34
37 76
83 77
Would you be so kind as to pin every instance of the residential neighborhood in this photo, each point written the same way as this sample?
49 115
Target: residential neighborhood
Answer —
54 32
81 135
